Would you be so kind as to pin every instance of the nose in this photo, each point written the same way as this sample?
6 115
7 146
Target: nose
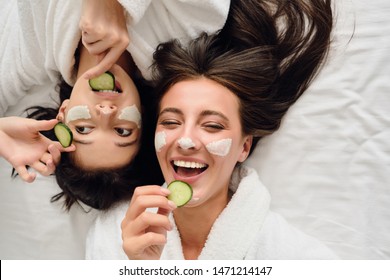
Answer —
186 143
188 140
106 109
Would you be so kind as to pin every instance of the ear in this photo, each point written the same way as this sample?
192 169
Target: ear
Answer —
246 147
61 111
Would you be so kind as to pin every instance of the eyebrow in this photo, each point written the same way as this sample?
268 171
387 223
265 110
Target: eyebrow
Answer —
213 113
170 110
118 144
203 113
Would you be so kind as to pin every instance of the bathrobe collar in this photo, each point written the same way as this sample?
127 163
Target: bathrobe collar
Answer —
236 227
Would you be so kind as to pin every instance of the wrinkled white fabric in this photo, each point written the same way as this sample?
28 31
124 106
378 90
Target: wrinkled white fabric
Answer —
38 38
246 229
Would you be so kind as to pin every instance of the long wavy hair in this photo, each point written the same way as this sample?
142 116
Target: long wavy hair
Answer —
267 54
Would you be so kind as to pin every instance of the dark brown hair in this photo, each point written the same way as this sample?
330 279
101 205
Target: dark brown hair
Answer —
101 188
267 54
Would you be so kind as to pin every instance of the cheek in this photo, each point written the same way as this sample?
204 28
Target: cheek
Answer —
160 140
78 113
220 148
131 114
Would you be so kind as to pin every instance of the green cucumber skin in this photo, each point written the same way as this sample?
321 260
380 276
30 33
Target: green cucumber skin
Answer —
177 192
106 81
63 134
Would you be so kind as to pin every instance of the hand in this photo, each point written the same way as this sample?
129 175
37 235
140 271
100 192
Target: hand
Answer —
104 33
22 145
144 233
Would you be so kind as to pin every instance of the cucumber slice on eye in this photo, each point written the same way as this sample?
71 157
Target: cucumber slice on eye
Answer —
105 81
63 134
181 192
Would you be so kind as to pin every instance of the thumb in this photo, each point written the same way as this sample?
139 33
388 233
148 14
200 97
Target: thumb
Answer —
105 62
94 72
101 66
44 125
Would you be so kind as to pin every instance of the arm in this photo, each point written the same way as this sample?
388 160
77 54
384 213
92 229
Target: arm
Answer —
104 33
22 144
144 233
148 24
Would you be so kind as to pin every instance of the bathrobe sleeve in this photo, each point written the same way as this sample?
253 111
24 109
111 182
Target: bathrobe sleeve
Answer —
37 42
154 22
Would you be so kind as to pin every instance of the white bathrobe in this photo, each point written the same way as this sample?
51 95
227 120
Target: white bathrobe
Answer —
38 38
246 229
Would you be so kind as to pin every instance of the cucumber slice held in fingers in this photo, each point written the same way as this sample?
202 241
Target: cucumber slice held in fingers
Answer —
181 192
63 134
105 81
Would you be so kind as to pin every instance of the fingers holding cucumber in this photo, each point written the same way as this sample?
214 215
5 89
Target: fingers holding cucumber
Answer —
144 231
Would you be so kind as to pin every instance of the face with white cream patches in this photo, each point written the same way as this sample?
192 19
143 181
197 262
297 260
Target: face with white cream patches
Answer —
105 125
199 138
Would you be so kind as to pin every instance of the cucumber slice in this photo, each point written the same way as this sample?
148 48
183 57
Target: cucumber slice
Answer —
105 81
63 134
181 192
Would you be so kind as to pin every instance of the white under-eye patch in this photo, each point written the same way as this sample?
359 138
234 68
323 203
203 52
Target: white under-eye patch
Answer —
186 143
78 113
220 148
131 114
160 140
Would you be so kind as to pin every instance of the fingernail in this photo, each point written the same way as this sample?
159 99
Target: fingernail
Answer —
165 191
172 205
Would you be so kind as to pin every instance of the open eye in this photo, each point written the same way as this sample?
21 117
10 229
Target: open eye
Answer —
83 129
123 132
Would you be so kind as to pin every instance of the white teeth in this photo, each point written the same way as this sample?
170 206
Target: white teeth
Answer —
189 164
109 91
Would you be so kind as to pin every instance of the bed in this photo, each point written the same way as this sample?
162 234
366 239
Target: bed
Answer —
327 168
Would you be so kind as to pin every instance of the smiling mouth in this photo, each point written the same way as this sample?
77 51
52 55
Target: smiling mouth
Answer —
188 168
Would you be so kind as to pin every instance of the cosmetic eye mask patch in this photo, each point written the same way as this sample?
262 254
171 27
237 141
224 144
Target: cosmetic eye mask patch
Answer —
132 114
78 113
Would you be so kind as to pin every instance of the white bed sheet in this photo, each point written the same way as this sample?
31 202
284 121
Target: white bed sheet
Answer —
327 168
31 227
